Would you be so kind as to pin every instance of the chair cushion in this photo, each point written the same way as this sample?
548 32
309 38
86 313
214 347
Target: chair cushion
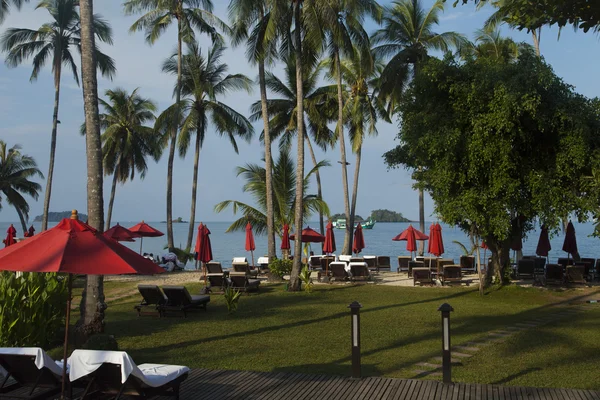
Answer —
42 360
200 299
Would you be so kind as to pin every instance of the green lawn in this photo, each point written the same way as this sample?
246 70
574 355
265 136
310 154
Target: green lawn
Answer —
310 332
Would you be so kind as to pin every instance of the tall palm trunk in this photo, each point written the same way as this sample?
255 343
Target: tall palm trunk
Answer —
22 219
188 246
317 178
421 220
93 297
48 192
355 187
271 250
111 201
173 143
298 215
347 249
537 36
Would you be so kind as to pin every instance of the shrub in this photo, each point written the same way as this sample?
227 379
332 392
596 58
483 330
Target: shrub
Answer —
232 297
32 309
101 341
305 279
280 267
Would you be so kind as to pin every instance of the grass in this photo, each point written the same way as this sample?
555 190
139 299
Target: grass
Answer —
302 332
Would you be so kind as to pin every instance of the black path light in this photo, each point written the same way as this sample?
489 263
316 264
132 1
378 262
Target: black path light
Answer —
446 309
355 307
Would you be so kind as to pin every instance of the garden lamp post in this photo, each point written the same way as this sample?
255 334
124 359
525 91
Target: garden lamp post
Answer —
446 309
355 307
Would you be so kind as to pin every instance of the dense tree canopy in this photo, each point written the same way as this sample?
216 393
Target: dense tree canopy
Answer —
501 145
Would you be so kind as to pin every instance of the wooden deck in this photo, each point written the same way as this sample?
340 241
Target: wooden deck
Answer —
214 384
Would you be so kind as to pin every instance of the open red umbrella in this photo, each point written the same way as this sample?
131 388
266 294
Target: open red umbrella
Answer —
411 235
309 235
145 230
73 247
570 243
11 233
359 240
250 246
121 234
543 246
30 232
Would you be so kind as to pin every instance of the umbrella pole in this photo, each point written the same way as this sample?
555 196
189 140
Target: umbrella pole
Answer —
66 343
252 253
141 243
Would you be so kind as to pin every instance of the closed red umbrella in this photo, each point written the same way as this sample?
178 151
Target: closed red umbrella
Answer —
203 247
436 244
431 239
285 238
120 234
329 245
439 239
517 244
30 232
74 247
484 246
309 235
145 230
250 246
570 243
359 240
411 235
11 233
543 246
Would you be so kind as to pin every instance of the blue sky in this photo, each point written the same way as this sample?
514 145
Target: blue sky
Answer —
26 115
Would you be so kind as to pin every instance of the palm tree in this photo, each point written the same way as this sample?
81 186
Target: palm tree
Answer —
55 40
490 44
284 182
258 22
405 38
16 170
156 18
126 141
5 6
203 80
318 106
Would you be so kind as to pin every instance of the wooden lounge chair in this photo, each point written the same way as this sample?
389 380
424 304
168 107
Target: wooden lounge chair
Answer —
554 274
403 263
240 281
467 263
315 262
526 268
371 263
217 282
245 268
214 267
422 275
112 374
153 299
326 261
451 273
30 373
414 264
575 275
565 262
589 266
359 271
179 299
338 271
441 262
383 263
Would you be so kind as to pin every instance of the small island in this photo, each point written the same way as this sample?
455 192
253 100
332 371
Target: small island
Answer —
177 220
376 215
58 216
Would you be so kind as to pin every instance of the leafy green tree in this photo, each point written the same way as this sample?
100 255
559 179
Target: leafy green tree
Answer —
284 183
405 38
388 216
157 16
489 43
500 146
16 172
54 41
126 140
203 81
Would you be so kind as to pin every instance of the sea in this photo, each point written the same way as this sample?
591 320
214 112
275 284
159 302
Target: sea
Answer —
378 240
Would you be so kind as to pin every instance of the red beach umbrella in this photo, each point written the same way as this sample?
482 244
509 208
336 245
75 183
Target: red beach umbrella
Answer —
359 240
203 247
309 235
74 247
329 245
431 239
11 233
411 235
285 238
145 230
543 246
30 232
517 244
440 240
250 246
120 234
570 243
436 245
484 246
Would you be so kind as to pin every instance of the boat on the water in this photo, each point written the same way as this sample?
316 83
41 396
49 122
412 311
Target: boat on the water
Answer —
341 224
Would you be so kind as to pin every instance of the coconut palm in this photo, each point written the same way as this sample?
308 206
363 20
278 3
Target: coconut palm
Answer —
203 81
156 18
126 140
5 6
258 23
405 38
284 204
490 44
16 172
54 41
319 103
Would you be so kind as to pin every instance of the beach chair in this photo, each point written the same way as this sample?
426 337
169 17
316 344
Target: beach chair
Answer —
217 282
338 271
575 275
403 263
214 267
359 271
112 374
565 262
28 373
467 263
589 266
554 274
314 262
383 263
371 263
441 262
263 264
179 299
422 275
414 264
153 300
240 281
526 268
451 273
344 258
245 268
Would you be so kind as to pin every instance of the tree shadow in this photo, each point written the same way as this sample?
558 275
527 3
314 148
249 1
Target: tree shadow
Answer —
515 376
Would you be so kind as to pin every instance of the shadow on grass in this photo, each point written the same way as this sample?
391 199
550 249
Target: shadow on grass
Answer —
515 376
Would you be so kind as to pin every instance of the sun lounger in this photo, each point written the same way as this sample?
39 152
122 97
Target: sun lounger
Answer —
422 275
34 375
153 299
371 262
554 274
526 268
240 281
217 282
315 262
575 275
565 262
403 263
338 271
356 259
414 264
214 267
113 373
467 263
179 299
239 260
451 273
383 263
359 271
589 266
245 268
344 258
325 262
